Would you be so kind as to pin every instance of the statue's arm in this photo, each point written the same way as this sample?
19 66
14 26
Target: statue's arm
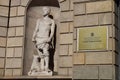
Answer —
35 31
52 31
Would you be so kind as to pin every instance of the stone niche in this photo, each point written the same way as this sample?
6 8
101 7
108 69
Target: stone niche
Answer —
34 11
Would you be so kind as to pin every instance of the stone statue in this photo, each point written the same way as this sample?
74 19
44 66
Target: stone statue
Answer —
42 37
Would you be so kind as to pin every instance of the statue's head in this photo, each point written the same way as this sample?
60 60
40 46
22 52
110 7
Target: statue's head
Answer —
46 11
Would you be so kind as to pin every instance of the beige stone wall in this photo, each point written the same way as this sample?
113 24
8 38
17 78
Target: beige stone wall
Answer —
92 64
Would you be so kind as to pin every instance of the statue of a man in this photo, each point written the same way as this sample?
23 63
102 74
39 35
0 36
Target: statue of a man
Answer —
42 37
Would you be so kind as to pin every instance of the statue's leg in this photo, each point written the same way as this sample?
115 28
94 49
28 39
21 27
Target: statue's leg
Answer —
46 53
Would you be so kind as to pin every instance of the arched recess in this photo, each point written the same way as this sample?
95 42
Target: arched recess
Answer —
33 12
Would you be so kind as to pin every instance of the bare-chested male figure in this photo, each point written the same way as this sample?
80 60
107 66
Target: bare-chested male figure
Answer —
42 36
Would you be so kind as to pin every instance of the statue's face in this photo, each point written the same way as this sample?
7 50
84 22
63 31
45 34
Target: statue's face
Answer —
46 11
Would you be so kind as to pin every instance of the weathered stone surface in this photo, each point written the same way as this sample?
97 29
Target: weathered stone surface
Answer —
66 16
80 0
86 20
21 10
15 2
75 45
8 72
9 63
4 2
105 18
79 9
13 11
99 58
85 72
24 2
17 63
2 42
111 43
10 52
16 21
64 27
13 63
11 31
65 5
3 21
66 38
63 49
2 62
18 52
99 6
19 31
63 71
1 72
70 49
66 61
79 58
75 33
17 72
4 11
2 52
3 31
71 27
105 71
18 41
70 71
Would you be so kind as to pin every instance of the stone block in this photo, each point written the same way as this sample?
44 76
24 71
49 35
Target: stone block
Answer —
4 11
3 31
21 10
17 72
66 16
105 71
86 20
11 31
13 11
80 1
17 41
10 52
70 49
8 72
99 58
1 72
70 71
18 52
64 27
79 9
79 58
3 21
17 63
2 42
9 63
15 2
111 44
16 21
75 45
19 31
75 33
2 52
66 61
24 2
99 6
71 27
63 49
2 62
105 18
4 2
66 38
71 4
85 72
63 71
65 5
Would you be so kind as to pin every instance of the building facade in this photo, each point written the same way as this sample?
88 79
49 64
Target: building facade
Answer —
17 21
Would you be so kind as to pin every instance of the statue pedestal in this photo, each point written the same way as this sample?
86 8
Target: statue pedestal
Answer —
43 73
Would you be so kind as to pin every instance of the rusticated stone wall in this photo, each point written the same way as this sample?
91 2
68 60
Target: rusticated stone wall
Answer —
96 65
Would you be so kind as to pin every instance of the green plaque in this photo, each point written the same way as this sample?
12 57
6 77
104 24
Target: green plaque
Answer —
92 38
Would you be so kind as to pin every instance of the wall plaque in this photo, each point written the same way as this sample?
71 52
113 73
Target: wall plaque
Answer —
92 38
